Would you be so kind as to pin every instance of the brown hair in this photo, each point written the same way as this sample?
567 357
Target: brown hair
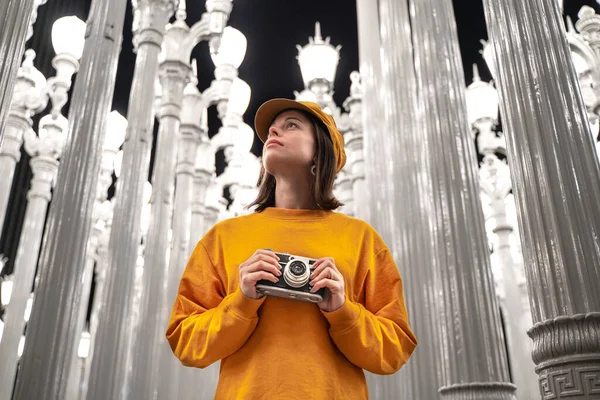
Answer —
325 172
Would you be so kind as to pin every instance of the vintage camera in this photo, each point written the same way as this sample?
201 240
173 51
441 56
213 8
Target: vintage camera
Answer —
293 282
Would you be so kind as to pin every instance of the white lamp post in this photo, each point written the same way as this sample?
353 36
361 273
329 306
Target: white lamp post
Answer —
115 135
227 59
318 62
233 118
482 111
68 39
29 98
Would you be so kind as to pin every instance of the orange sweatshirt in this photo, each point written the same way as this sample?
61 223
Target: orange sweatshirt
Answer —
280 349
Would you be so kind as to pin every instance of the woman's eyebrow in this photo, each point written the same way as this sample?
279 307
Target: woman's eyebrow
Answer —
287 119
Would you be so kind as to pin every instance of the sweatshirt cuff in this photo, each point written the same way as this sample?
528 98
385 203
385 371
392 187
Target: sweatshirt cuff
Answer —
244 306
344 317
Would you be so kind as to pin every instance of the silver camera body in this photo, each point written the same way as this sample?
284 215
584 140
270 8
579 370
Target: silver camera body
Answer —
294 280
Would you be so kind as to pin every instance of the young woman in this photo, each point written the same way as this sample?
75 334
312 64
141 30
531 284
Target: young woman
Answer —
275 348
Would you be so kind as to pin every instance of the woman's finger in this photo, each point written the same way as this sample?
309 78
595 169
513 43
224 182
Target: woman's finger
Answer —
328 273
332 285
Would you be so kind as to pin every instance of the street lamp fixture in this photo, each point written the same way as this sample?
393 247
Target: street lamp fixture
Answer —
482 99
68 40
318 62
115 131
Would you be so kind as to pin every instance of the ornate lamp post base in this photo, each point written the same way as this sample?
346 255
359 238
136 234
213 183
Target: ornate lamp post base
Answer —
479 390
564 374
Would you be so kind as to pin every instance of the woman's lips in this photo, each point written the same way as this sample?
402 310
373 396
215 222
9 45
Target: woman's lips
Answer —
273 143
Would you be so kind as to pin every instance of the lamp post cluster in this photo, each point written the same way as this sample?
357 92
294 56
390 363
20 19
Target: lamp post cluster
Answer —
137 244
318 61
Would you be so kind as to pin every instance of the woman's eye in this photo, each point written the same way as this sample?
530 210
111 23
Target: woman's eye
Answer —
292 125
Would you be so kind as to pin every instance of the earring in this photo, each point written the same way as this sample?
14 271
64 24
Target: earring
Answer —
313 170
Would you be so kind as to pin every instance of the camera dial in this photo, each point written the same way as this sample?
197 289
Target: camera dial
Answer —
296 273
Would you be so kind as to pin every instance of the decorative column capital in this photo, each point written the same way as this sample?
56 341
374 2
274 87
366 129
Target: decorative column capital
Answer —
17 124
150 19
44 170
173 75
51 141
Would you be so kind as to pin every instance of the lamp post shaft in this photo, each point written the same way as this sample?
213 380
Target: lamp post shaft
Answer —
496 184
474 358
108 375
170 368
15 16
44 173
555 181
51 337
10 154
174 76
99 300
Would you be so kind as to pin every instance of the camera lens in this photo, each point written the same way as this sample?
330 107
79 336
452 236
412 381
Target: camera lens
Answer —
296 274
297 268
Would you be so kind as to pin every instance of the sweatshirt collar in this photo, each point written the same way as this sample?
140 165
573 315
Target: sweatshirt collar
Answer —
294 214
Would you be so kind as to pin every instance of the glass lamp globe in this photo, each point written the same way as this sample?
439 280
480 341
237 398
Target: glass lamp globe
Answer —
244 138
239 97
68 36
115 131
232 49
482 99
319 59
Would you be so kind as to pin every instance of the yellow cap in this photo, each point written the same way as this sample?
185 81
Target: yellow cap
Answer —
270 109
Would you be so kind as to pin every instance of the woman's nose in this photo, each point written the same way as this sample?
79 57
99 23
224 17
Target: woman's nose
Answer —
274 131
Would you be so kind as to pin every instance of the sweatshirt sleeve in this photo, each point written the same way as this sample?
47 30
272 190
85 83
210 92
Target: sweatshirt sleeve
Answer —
375 336
206 326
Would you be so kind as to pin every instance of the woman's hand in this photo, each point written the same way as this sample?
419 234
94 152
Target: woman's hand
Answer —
263 264
326 275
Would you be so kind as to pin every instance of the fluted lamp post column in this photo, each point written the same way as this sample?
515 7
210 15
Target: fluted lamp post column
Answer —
482 110
192 111
354 144
104 224
474 359
15 16
107 376
555 175
174 72
29 98
115 135
204 172
45 151
51 331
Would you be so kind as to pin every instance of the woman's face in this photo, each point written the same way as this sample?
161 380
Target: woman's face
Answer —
291 143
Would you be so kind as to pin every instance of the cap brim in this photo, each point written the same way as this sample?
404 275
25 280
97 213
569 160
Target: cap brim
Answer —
269 110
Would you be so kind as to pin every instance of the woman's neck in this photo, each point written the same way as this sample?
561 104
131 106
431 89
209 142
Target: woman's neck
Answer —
294 193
